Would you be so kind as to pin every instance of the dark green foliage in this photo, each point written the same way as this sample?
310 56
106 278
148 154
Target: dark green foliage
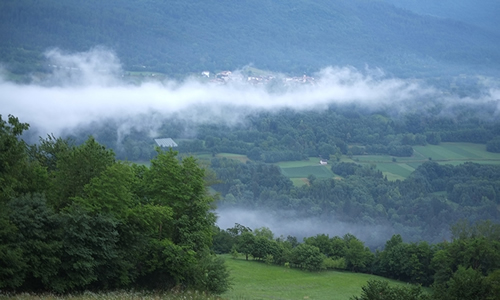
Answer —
307 257
380 290
105 224
406 262
464 284
90 252
476 247
358 257
17 173
493 145
39 238
12 264
76 168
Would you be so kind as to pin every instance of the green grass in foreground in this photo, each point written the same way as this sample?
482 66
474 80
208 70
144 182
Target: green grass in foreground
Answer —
116 295
256 280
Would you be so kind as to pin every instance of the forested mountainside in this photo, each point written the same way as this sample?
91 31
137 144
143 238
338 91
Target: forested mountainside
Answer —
482 14
179 37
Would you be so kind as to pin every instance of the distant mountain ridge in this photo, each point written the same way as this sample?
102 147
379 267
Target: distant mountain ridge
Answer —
301 36
484 13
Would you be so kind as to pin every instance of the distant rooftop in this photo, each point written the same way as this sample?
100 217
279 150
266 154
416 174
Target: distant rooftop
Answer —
167 143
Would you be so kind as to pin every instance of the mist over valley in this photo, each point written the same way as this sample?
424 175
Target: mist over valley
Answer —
360 136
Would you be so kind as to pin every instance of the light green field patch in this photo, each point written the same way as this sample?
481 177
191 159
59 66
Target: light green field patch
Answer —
445 153
256 280
461 151
311 161
457 151
435 152
373 158
393 177
414 165
303 172
298 182
397 169
407 167
238 157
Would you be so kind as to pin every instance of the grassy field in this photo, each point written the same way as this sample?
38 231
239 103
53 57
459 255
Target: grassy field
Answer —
239 157
116 295
299 181
395 168
303 172
401 168
444 153
298 171
256 280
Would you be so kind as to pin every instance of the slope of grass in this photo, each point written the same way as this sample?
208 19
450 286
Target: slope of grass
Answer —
256 280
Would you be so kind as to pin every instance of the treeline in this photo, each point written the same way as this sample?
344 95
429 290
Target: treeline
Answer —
74 218
294 135
467 267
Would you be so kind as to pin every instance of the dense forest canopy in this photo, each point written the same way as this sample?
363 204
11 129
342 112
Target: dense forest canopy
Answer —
74 218
180 37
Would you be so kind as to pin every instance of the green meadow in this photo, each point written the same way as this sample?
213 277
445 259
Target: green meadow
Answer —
299 170
251 280
395 168
239 157
444 153
256 280
303 172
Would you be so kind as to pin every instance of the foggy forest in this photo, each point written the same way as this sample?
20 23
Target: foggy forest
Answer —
326 138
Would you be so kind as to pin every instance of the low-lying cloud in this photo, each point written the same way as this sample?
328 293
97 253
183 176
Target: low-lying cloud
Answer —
86 87
285 224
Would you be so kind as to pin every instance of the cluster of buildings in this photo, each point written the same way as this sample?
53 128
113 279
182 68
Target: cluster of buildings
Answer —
226 76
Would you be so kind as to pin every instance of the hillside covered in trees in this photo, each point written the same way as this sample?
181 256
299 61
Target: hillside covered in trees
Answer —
74 218
300 36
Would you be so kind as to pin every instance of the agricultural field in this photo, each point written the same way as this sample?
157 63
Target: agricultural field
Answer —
256 280
303 172
445 153
395 168
299 170
239 157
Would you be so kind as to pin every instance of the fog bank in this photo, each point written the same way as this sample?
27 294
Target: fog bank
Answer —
88 87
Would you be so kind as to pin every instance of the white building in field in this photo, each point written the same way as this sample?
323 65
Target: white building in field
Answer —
166 143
